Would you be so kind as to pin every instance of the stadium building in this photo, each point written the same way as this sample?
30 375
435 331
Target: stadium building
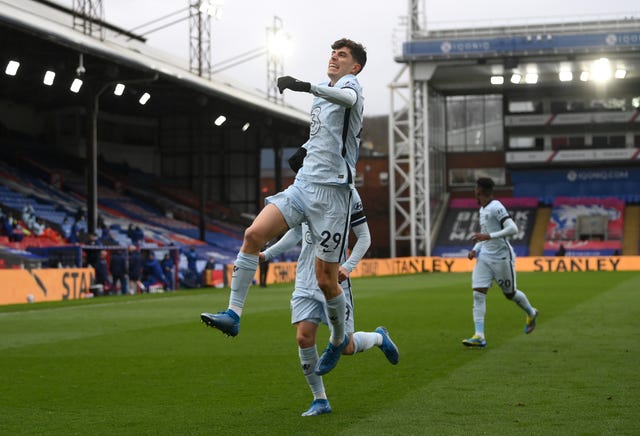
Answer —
550 111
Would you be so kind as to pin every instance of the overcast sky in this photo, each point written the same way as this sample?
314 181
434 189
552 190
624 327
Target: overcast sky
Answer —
314 25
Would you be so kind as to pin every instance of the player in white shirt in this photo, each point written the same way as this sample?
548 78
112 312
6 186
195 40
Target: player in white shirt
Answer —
495 261
320 195
308 305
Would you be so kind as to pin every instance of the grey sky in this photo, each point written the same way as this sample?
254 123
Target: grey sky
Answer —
313 26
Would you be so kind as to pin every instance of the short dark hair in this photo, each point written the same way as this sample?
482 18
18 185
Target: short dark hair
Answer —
486 185
358 51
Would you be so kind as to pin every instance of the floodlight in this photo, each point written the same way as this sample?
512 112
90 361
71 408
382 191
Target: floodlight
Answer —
220 120
49 77
515 78
600 70
531 78
279 44
635 102
12 68
565 76
584 76
119 89
620 73
212 8
76 85
145 98
497 80
246 127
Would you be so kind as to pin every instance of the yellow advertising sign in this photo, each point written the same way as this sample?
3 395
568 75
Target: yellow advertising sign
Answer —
578 264
22 286
285 272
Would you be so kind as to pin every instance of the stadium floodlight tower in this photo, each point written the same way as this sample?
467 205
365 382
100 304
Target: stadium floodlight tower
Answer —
276 49
410 169
278 46
200 14
87 16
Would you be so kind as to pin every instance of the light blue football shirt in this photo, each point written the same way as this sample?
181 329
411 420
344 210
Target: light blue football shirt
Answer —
334 137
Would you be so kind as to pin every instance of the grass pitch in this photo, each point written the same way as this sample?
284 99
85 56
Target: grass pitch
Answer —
145 365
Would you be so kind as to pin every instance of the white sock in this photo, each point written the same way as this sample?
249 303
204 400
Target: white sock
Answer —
337 308
308 359
362 341
244 269
479 310
521 300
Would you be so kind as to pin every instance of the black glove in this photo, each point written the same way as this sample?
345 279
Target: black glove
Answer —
297 158
288 82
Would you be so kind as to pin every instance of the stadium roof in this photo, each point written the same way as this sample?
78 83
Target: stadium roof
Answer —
465 59
41 35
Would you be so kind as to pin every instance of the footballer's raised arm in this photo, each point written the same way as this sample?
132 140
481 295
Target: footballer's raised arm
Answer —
343 96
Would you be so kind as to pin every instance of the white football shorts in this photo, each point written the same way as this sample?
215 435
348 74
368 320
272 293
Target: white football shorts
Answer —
314 309
325 208
500 270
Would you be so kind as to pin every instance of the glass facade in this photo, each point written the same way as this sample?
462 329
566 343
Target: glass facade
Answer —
437 150
474 123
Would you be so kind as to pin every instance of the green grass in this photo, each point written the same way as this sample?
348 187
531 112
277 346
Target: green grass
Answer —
144 365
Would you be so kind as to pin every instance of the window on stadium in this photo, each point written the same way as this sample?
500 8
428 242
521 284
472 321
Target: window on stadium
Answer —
608 141
565 106
567 142
474 123
466 177
609 104
526 143
525 107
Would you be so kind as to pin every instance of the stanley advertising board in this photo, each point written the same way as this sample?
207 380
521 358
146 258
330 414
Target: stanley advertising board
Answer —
24 286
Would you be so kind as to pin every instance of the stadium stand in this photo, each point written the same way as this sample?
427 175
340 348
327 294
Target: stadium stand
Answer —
541 143
631 233
31 186
585 226
536 246
49 158
547 184
462 220
565 132
182 201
